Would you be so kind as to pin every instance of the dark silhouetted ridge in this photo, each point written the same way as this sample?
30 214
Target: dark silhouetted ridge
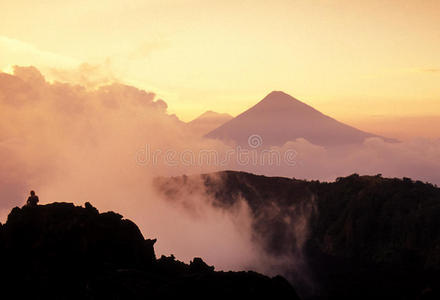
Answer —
63 251
360 237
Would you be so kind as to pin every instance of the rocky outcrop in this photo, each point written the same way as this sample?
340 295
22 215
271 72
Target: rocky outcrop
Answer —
63 251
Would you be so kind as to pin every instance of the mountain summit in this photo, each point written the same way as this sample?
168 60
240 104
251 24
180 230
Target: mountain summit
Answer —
280 118
208 121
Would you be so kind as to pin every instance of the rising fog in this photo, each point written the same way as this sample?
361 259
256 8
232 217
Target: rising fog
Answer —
73 144
104 143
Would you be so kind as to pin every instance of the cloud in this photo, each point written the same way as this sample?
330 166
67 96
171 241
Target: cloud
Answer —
431 70
416 158
28 54
147 47
73 143
88 75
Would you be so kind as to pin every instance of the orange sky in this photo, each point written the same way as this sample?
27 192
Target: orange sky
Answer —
354 60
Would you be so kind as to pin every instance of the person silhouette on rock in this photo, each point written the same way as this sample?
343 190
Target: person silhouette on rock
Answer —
32 201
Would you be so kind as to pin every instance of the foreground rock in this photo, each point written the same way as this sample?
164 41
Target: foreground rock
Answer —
62 251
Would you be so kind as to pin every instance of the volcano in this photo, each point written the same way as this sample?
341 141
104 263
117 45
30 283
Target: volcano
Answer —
208 121
280 118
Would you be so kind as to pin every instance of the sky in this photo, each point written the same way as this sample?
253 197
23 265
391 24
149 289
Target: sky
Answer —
358 61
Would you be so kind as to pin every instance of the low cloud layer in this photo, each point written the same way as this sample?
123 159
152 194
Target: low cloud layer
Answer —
417 158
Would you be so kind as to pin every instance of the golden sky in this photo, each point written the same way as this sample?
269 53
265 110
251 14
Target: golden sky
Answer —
350 59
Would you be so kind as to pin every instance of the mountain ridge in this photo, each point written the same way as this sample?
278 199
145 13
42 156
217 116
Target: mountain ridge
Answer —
359 237
208 121
279 118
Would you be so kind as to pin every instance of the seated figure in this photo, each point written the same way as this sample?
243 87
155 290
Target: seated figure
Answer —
32 200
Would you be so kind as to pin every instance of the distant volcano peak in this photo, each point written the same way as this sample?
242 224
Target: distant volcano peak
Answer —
208 121
278 93
280 103
278 96
213 114
279 118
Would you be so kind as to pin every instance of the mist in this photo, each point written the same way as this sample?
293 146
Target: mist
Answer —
74 144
